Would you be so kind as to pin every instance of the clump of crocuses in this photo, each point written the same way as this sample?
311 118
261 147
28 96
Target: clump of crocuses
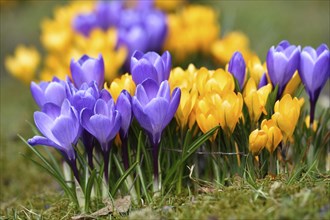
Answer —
80 109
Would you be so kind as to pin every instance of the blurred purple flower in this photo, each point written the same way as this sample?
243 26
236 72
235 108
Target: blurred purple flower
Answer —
84 23
282 62
150 65
108 14
49 92
314 71
237 67
61 129
87 69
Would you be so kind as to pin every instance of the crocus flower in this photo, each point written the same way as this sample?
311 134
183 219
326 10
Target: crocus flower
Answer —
84 23
24 63
282 62
255 99
87 69
154 108
108 13
86 97
257 141
150 65
124 106
61 129
103 122
286 114
230 110
263 81
314 70
274 134
125 82
237 67
49 92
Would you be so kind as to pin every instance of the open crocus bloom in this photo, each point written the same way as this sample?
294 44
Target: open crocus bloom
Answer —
87 69
154 107
60 127
314 72
282 62
150 65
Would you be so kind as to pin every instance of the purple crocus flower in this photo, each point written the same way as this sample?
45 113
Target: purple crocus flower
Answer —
154 108
282 62
237 67
150 65
103 122
84 23
86 97
156 28
124 106
61 129
87 69
49 92
108 14
263 81
314 71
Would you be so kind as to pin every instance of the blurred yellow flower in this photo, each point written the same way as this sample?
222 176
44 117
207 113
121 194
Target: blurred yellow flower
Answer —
63 43
256 68
191 30
255 99
286 114
230 110
24 63
119 84
169 5
224 48
274 134
257 141
292 85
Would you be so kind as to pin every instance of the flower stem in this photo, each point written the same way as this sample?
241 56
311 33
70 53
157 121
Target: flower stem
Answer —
106 154
312 112
124 150
75 171
88 140
155 163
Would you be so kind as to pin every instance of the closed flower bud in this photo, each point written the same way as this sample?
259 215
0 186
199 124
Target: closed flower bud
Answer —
274 134
257 141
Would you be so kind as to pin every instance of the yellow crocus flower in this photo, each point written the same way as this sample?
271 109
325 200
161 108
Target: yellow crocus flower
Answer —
207 114
292 85
187 103
119 84
183 78
230 110
274 134
224 48
287 111
256 68
255 99
257 141
219 81
24 63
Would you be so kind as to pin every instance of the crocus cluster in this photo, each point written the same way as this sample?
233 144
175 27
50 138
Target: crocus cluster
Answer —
83 109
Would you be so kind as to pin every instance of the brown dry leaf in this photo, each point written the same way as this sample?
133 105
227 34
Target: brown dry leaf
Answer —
122 205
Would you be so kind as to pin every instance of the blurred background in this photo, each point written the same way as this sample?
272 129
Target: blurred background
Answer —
266 23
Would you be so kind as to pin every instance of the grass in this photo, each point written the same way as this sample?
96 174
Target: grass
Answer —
264 199
26 192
